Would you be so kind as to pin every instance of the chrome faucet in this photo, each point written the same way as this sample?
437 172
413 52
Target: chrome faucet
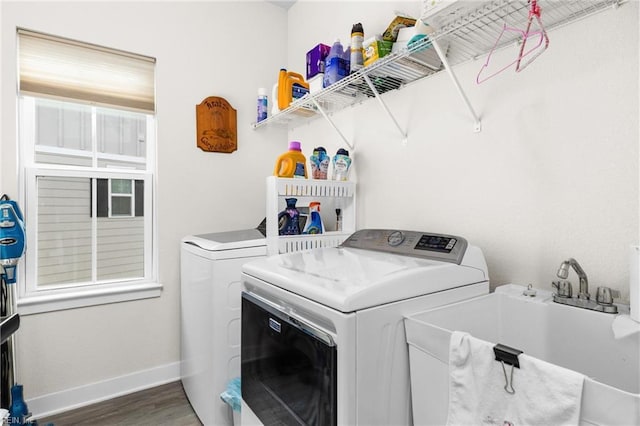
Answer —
604 295
563 272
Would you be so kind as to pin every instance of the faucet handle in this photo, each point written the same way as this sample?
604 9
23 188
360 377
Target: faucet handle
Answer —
563 287
605 295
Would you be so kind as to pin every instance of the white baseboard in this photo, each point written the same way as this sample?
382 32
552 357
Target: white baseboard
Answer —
81 396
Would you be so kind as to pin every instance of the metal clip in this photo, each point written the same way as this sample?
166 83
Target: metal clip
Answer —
508 383
507 355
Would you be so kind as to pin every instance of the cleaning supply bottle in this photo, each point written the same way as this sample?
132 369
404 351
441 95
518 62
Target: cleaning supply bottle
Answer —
314 223
341 165
282 96
319 161
292 163
262 105
345 64
357 50
289 219
334 68
291 85
274 100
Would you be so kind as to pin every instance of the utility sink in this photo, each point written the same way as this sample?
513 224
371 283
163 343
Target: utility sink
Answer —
574 338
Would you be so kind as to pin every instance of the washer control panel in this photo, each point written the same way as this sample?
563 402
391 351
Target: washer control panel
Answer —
428 245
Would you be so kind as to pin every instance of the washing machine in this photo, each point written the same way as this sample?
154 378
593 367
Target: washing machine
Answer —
210 269
323 339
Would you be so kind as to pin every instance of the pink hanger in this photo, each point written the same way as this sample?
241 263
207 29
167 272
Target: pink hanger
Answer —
542 38
533 11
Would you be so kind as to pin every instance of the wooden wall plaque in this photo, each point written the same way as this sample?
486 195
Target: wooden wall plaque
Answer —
216 125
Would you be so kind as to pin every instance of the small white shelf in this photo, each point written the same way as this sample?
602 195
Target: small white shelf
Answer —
331 195
291 243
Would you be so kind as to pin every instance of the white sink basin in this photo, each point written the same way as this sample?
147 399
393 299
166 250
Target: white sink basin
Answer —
570 337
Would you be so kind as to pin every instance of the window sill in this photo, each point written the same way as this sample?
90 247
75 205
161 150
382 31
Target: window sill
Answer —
29 305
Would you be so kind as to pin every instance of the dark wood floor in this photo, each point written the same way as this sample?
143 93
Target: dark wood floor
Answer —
162 405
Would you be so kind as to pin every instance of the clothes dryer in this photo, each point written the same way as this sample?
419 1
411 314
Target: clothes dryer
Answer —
210 271
323 338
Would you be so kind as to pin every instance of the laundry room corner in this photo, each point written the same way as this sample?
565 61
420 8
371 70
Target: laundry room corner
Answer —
102 351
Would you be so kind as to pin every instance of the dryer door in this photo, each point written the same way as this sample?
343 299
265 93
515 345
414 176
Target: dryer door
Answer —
289 366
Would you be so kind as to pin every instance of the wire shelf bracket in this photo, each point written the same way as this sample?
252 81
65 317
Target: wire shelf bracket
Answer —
477 124
386 108
331 123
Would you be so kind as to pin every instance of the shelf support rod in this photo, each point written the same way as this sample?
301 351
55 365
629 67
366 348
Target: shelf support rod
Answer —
326 117
386 109
477 125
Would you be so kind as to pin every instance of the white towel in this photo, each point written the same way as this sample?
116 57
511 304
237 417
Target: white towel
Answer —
545 394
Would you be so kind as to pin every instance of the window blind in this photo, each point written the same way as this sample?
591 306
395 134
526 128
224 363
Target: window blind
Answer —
69 69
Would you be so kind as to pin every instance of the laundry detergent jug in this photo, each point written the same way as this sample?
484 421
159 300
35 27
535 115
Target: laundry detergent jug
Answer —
291 164
291 86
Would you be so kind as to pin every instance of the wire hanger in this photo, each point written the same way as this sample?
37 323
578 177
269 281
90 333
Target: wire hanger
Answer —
535 51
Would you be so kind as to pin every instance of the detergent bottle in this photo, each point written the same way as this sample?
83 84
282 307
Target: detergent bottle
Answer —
274 100
289 219
314 223
292 163
319 161
336 66
262 105
341 165
291 85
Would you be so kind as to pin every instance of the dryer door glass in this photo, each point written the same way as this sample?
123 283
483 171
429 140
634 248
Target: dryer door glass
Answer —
289 367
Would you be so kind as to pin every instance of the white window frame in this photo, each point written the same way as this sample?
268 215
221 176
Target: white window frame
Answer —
33 300
132 199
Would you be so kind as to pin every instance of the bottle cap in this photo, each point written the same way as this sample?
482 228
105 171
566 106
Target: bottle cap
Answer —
294 146
342 151
262 91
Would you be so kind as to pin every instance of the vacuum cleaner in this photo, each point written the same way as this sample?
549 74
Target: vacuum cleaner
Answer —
12 247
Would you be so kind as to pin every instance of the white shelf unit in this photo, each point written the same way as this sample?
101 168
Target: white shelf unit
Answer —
465 30
331 195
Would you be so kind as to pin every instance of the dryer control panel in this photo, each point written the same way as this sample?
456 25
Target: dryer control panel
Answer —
428 245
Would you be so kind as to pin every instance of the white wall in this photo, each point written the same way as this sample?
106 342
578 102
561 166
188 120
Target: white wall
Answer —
552 175
203 49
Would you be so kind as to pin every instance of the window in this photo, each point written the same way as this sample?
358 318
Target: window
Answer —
87 140
120 198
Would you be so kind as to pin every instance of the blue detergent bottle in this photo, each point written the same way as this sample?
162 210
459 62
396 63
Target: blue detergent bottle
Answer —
262 105
289 219
335 67
314 223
